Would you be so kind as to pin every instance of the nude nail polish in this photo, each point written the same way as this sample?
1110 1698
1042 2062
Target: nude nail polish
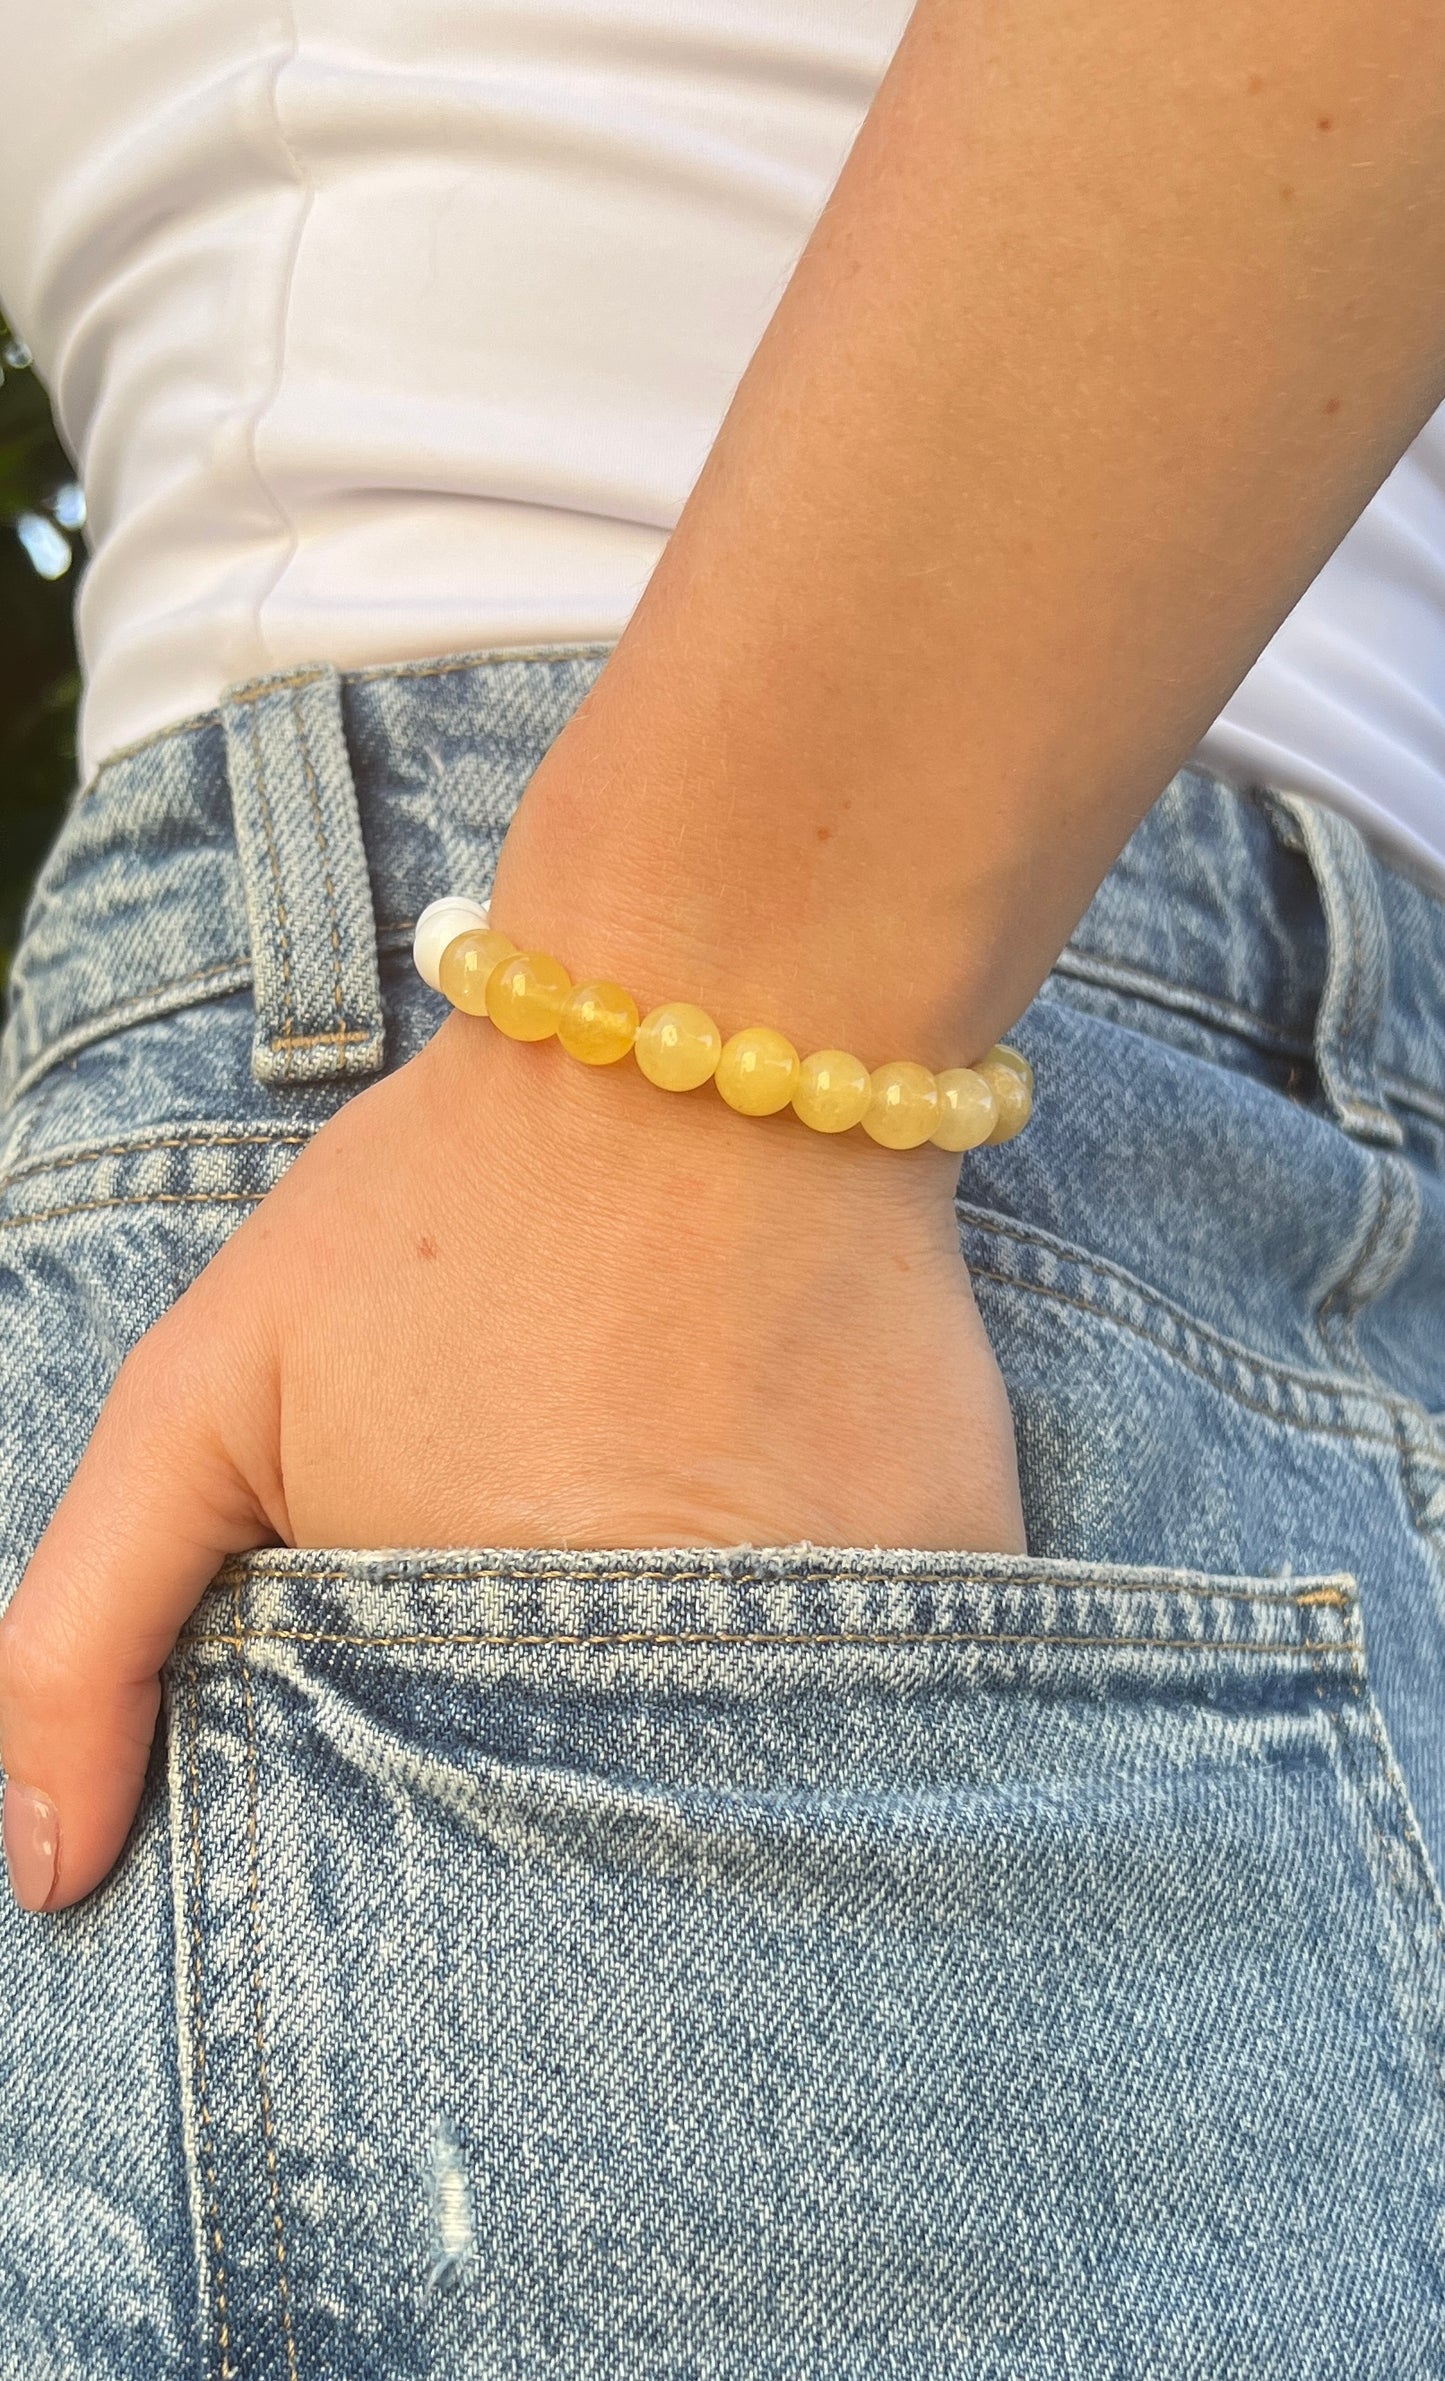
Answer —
32 1842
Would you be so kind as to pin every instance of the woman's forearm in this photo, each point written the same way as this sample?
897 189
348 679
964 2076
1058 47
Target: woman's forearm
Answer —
1118 315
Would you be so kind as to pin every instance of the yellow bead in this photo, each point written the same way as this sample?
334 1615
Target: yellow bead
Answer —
903 1111
758 1071
440 923
1003 1054
525 995
598 1023
1015 1099
967 1109
834 1089
466 964
677 1046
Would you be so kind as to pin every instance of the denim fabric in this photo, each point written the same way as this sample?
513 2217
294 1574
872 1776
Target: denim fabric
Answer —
732 1966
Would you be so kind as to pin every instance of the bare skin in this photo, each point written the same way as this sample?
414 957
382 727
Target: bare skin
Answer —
1113 324
581 1301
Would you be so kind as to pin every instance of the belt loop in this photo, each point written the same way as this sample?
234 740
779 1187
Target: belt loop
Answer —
1357 966
303 867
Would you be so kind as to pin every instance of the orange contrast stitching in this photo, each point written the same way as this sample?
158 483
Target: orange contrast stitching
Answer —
208 2156
253 1887
261 1137
313 791
242 1634
245 696
1335 1591
312 1041
283 923
46 1215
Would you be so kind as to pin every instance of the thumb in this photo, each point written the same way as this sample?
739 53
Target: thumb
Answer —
155 1506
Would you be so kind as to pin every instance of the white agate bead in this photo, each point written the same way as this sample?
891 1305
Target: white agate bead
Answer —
440 923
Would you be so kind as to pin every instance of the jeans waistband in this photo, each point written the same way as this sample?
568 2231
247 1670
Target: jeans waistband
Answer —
286 840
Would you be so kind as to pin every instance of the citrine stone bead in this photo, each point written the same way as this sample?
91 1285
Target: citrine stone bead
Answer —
967 1109
1004 1054
466 964
598 1023
758 1071
440 923
834 1089
677 1046
1015 1098
903 1110
525 995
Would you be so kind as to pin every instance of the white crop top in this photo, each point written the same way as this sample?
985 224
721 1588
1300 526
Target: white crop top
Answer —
389 328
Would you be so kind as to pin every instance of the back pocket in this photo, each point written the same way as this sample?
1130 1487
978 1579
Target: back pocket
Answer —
811 1962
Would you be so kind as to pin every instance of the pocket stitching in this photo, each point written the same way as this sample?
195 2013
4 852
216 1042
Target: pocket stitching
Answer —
242 1635
46 1215
1335 1589
263 2074
213 2242
1417 1887
200 1137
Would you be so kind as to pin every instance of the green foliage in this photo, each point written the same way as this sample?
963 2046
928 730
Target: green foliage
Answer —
38 678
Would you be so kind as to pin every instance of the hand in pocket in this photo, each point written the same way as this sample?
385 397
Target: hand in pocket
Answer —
503 1301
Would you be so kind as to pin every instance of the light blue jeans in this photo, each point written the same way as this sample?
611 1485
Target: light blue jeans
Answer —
859 1965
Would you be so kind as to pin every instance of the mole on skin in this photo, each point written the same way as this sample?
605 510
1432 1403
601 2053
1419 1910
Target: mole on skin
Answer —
426 1248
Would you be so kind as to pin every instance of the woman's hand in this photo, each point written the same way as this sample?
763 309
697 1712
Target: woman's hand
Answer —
502 1300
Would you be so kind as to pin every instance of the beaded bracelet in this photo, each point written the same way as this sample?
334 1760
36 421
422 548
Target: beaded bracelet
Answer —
529 996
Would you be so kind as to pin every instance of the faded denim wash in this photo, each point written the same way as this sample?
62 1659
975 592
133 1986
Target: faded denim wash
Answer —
807 1965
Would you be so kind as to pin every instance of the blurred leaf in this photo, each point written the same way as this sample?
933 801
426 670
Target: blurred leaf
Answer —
39 683
23 459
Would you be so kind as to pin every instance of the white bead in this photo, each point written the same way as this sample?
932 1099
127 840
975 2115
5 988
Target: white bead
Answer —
440 923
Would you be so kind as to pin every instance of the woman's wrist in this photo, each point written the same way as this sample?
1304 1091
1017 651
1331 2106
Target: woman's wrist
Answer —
763 907
732 1175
